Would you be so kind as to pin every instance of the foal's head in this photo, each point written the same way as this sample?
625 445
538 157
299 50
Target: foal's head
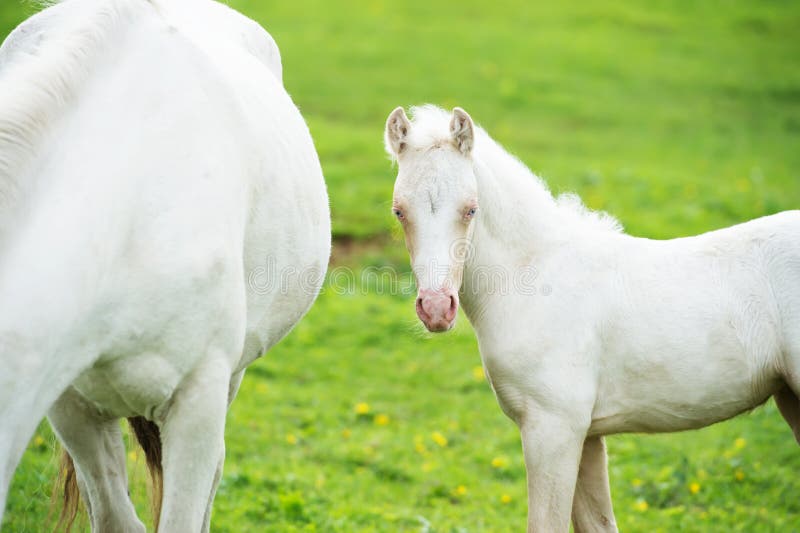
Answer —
435 200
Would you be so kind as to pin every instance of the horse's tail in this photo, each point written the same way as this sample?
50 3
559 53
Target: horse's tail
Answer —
149 437
70 497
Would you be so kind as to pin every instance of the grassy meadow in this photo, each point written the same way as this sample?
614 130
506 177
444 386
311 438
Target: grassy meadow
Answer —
677 117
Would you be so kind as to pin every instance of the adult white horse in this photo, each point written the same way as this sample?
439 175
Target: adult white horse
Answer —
624 334
150 162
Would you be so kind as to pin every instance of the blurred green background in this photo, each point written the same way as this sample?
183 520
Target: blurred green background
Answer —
678 117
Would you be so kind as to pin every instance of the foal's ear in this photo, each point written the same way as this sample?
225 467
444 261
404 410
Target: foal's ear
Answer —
462 130
397 128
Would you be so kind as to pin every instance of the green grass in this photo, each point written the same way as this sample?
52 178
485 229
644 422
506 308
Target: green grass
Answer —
676 116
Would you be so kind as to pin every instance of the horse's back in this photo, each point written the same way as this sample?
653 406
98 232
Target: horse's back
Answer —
27 38
208 20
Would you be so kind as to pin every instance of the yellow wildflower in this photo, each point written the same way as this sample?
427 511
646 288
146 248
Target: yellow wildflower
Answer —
38 440
461 490
641 505
291 438
362 408
439 439
739 475
694 487
346 433
132 455
505 499
636 482
382 420
500 462
477 373
739 443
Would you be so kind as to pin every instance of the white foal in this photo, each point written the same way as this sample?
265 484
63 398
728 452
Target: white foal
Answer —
150 162
585 331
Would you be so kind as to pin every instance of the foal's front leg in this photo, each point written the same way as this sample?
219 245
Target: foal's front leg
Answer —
591 509
193 445
552 446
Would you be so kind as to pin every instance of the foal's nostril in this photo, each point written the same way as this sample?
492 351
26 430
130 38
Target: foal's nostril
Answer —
421 309
451 312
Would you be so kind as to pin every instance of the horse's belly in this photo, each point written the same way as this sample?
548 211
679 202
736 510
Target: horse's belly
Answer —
155 324
661 409
130 386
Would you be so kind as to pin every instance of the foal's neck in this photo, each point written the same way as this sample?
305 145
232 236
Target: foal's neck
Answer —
519 224
518 214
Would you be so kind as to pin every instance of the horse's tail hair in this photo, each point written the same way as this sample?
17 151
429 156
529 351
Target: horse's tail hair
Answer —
70 497
149 437
66 487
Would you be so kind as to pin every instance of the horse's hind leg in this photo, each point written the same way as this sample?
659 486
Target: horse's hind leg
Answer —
233 389
789 406
98 453
591 508
193 444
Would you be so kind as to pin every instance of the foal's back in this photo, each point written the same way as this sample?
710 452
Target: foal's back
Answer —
700 329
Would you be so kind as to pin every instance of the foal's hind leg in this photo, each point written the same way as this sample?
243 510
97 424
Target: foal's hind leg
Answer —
97 450
789 406
193 442
591 507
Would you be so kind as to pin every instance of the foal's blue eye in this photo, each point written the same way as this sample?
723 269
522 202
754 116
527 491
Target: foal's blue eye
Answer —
471 212
398 213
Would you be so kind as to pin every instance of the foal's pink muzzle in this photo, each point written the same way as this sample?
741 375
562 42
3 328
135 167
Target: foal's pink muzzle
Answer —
437 309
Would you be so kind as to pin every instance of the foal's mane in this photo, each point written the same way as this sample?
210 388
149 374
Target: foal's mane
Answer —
45 63
431 128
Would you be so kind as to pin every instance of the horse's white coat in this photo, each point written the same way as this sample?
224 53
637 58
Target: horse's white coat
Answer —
620 334
150 160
